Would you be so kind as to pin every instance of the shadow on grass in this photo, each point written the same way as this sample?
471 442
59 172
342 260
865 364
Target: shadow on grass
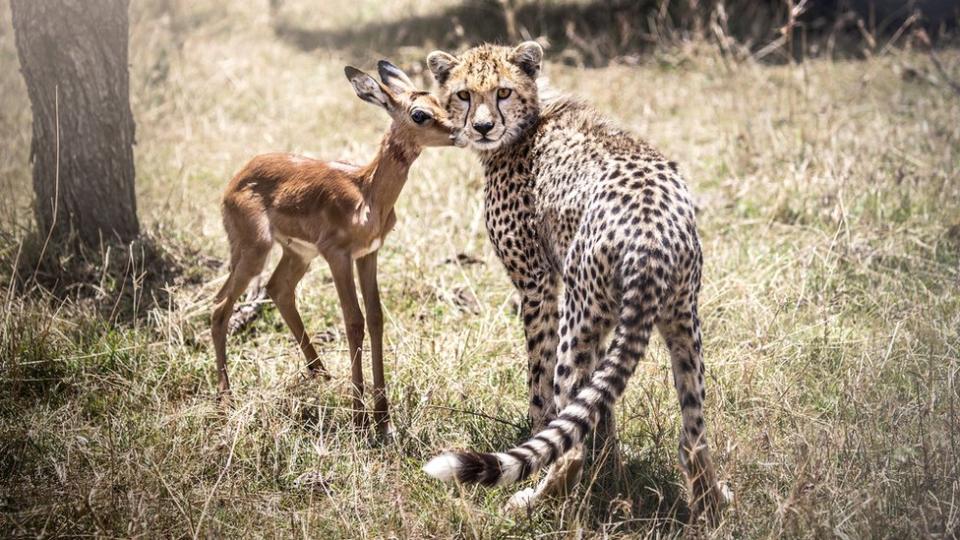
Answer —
587 33
631 488
121 282
70 308
634 492
591 34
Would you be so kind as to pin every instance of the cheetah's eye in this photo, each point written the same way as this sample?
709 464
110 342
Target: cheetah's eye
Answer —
463 95
504 93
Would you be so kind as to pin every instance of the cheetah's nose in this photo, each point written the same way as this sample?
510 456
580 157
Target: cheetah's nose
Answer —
483 127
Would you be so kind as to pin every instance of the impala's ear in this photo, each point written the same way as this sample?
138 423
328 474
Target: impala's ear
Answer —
527 57
440 64
394 77
368 89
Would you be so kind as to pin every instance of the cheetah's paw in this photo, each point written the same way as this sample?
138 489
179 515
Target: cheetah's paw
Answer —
521 500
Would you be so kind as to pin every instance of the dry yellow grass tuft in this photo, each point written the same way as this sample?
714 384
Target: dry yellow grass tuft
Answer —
829 197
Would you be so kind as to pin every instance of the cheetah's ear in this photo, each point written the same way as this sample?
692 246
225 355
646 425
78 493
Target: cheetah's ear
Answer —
440 64
527 57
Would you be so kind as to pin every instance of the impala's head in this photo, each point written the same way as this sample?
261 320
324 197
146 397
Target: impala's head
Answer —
417 115
490 92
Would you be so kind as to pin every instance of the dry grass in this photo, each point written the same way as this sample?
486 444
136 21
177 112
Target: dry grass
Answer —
830 215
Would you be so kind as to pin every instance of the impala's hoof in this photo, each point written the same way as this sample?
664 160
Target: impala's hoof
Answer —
361 421
381 437
386 431
318 373
225 399
726 494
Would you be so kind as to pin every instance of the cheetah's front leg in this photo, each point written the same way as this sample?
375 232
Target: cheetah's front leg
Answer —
538 306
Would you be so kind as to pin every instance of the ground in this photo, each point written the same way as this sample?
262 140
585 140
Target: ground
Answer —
829 207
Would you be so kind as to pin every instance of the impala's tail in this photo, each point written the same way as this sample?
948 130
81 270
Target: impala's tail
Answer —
578 418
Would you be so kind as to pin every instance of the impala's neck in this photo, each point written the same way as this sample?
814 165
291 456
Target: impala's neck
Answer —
387 173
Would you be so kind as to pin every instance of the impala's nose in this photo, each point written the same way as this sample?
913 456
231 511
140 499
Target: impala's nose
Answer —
483 127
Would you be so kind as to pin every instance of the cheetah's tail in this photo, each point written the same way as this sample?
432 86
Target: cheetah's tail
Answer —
571 426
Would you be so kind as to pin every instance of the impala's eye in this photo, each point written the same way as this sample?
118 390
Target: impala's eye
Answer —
419 116
463 95
504 93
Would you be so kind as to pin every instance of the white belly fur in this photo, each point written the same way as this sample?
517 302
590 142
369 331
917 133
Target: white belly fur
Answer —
305 250
375 245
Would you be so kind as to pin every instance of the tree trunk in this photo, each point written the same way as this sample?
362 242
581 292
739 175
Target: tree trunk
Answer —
73 56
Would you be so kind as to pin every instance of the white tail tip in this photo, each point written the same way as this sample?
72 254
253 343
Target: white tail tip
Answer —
443 467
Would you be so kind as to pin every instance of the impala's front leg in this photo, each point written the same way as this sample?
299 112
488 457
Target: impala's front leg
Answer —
342 270
367 272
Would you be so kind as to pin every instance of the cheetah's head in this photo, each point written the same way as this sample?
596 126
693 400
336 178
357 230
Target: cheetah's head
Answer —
490 92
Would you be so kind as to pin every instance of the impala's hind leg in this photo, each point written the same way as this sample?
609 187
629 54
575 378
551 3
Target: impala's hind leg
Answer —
282 289
682 334
245 264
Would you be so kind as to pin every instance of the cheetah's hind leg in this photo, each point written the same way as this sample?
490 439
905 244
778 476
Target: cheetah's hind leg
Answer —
682 334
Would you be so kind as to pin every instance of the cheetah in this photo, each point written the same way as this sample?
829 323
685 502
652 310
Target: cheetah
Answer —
596 231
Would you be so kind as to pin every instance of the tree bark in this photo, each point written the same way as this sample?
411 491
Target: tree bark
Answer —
73 56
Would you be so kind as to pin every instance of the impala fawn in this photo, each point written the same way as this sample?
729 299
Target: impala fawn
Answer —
337 210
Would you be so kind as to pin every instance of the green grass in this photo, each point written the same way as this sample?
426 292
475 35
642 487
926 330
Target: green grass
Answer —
829 196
